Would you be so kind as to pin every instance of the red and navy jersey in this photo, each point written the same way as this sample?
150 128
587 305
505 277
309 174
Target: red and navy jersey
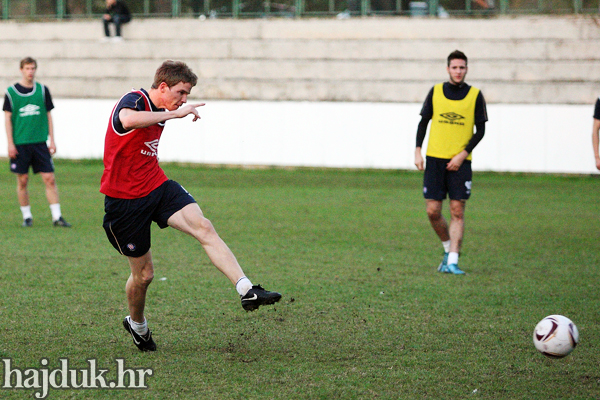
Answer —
131 167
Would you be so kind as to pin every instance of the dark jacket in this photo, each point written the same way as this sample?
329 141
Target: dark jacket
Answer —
118 8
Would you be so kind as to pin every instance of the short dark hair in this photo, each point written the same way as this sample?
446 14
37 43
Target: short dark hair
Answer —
28 60
173 72
457 55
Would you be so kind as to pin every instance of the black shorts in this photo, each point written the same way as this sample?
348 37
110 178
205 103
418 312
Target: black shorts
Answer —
439 182
127 221
35 155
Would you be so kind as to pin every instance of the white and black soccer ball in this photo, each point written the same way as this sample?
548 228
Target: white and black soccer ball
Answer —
555 336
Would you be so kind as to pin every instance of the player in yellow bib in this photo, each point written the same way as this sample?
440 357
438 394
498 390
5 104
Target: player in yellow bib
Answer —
454 109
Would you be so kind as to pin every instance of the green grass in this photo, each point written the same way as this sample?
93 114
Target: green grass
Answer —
364 314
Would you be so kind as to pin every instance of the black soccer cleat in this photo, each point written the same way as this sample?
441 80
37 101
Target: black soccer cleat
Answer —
27 222
257 296
143 342
61 222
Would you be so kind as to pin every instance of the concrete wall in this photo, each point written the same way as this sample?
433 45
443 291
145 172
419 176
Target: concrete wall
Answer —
520 138
540 76
516 60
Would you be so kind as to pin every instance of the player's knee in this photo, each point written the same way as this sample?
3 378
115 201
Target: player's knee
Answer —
457 213
145 278
49 180
205 230
205 225
22 181
434 214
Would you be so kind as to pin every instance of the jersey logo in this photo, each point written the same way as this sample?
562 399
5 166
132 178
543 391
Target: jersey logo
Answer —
29 110
451 118
153 146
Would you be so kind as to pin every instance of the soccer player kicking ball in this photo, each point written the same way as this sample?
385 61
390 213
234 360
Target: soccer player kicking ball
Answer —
138 192
454 108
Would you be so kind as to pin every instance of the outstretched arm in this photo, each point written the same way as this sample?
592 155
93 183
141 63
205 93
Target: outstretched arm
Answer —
133 119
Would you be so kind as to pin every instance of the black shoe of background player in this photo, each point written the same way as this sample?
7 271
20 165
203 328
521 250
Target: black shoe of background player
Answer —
27 222
61 222
143 342
257 296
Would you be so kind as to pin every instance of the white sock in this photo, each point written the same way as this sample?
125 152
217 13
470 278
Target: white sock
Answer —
243 285
26 211
452 258
140 329
446 245
55 210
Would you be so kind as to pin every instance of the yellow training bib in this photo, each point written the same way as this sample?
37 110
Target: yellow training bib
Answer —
452 123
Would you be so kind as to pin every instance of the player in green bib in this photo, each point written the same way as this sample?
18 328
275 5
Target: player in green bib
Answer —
454 109
28 121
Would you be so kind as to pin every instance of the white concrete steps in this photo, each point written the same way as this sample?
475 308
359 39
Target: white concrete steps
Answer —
513 60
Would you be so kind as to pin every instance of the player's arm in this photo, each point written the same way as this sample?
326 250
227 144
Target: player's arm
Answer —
596 141
458 159
134 119
49 108
12 149
421 132
426 114
8 126
480 120
419 162
51 144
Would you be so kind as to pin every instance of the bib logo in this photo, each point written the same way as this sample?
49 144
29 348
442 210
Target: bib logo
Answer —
451 118
153 146
29 110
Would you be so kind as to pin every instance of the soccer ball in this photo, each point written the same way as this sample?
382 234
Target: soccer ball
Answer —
555 336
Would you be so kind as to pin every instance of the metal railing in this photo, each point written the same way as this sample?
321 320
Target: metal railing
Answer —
61 9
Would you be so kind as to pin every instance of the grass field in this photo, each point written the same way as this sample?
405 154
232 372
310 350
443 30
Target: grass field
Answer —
364 314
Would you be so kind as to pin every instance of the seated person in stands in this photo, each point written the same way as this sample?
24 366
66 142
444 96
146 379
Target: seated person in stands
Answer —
117 13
